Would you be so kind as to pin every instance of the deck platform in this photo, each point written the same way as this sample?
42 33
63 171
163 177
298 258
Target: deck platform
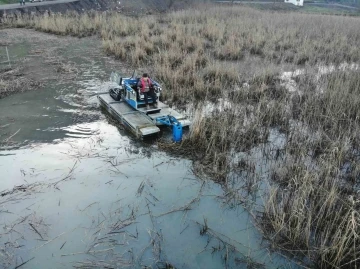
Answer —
138 122
165 110
142 122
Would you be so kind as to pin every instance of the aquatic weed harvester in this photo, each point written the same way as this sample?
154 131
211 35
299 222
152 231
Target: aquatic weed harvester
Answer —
127 104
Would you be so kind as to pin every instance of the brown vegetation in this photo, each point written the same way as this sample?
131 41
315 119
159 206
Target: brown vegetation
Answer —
11 81
312 205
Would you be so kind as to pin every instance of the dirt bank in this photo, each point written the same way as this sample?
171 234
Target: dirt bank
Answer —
129 7
78 6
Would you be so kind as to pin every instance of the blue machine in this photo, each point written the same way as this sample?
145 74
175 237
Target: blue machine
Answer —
175 124
127 92
130 93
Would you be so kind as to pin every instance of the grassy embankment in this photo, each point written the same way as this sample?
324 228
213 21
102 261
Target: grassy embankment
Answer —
237 53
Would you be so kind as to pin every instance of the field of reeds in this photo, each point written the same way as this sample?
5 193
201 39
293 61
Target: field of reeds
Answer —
235 58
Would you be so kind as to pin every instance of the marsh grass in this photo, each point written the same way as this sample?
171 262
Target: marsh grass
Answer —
311 208
309 213
186 49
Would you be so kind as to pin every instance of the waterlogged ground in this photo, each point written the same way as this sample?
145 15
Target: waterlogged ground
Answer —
77 190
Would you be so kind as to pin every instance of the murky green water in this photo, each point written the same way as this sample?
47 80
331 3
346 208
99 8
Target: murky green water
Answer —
96 195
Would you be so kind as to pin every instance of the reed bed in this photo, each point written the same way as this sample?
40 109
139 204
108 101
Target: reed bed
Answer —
186 49
203 55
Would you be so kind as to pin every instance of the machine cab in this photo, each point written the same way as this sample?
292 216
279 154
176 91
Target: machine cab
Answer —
128 89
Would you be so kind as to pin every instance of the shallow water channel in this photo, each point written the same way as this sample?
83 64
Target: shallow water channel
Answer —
94 195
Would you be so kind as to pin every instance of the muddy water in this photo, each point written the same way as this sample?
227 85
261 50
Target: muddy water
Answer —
92 194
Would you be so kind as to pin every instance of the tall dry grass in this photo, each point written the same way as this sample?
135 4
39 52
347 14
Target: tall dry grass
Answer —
186 48
313 206
309 212
200 55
